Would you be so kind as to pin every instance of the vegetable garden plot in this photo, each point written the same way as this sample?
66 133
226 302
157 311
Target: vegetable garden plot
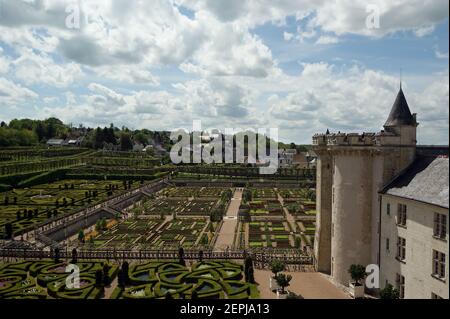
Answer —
164 206
129 234
198 207
274 234
260 193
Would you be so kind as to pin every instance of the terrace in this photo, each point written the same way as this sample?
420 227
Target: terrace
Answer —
26 207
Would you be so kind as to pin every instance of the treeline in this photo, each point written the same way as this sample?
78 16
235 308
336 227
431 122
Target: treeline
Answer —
113 138
28 132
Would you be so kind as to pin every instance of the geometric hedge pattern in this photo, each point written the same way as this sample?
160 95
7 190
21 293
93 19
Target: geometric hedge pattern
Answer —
209 280
151 280
47 279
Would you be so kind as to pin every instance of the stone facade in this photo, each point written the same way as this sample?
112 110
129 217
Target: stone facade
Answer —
351 170
420 242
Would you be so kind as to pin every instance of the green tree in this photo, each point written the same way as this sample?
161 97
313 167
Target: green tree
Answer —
126 143
283 281
277 266
81 236
389 292
357 272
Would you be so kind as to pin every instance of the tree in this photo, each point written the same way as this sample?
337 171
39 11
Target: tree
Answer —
8 230
81 236
277 266
357 272
120 279
181 256
125 269
106 279
248 270
389 292
40 131
99 139
292 295
56 255
283 281
99 278
74 256
250 275
125 142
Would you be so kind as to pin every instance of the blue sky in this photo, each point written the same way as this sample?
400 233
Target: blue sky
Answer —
301 66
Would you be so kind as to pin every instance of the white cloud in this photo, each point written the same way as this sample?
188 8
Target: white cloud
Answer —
339 17
327 40
4 63
33 68
231 76
441 55
12 94
355 100
50 99
424 31
288 36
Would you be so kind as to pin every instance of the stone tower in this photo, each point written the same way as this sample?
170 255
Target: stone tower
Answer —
351 169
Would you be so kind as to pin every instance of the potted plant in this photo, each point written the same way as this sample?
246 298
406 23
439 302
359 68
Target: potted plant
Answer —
389 292
358 273
283 281
276 266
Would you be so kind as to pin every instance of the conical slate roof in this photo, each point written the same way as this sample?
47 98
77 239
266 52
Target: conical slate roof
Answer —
400 113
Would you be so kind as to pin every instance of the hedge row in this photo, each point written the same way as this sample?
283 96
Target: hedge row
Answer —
44 178
115 176
15 179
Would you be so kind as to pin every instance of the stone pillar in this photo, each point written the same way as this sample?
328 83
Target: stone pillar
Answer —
322 242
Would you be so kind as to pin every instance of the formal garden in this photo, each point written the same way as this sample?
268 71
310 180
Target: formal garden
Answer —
265 208
153 233
263 193
175 280
214 192
300 208
25 207
46 279
272 234
49 279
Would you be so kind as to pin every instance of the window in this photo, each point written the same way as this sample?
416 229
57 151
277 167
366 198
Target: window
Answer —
388 209
440 226
438 264
401 285
401 215
387 244
401 248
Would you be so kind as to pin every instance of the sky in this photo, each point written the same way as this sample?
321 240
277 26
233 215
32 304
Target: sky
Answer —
302 66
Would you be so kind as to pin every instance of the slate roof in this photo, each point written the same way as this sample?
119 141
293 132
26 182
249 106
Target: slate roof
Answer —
400 113
426 180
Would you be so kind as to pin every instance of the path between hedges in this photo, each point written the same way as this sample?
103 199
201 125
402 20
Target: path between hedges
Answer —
230 221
